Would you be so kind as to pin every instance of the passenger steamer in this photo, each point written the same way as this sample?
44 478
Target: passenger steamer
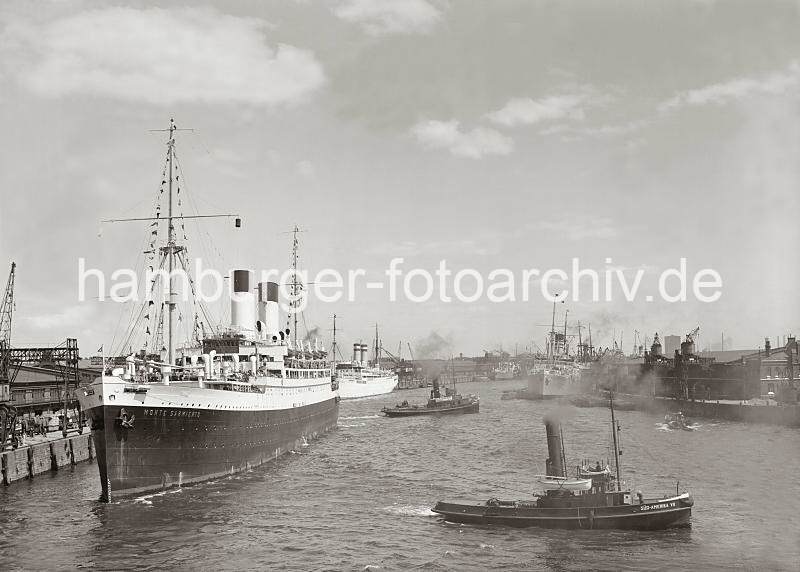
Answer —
225 403
359 378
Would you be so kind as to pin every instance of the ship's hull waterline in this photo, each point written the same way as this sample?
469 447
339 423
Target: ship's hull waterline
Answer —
473 407
169 447
172 447
651 515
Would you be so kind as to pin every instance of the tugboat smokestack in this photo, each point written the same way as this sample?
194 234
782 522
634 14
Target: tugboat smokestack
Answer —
555 450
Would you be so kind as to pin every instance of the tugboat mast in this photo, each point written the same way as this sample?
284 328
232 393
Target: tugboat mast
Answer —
614 429
377 348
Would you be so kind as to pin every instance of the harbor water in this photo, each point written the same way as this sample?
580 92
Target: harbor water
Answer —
360 497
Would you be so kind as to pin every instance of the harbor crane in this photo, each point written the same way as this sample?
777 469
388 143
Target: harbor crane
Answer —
61 360
8 413
637 343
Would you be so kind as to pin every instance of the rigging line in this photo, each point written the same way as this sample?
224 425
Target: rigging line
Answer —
130 324
133 324
140 259
205 248
127 339
139 265
198 303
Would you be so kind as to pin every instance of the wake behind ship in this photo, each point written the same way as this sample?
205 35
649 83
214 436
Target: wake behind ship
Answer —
225 401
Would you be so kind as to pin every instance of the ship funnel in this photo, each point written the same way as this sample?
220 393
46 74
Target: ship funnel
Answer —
363 354
555 449
356 353
242 306
268 308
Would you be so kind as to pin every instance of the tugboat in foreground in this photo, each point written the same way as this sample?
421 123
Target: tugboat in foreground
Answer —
438 404
594 499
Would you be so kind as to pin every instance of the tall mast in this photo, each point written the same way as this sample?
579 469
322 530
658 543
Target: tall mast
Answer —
591 348
377 348
171 250
553 331
333 348
614 430
566 313
295 244
581 353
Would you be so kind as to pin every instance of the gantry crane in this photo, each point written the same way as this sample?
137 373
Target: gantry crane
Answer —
62 360
8 413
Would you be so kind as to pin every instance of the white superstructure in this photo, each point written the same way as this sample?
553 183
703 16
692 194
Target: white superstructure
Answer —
355 382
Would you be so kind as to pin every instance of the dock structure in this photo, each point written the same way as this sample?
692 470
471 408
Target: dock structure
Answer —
38 458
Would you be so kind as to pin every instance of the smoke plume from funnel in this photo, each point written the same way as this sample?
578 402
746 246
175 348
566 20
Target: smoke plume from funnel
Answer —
434 345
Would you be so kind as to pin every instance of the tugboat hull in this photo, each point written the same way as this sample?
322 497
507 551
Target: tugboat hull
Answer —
649 515
414 411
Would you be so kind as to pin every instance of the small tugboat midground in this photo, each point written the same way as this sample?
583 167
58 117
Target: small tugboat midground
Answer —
592 500
448 404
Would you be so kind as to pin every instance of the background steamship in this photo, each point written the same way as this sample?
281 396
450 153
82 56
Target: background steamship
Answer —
360 378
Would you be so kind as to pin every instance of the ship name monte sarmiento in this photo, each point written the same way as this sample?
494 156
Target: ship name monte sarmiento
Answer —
229 398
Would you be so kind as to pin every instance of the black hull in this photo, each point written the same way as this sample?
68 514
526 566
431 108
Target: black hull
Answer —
412 412
168 447
625 517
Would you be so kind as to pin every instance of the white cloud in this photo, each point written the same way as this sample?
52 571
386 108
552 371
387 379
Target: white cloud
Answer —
161 56
608 130
776 83
380 17
473 144
527 111
70 316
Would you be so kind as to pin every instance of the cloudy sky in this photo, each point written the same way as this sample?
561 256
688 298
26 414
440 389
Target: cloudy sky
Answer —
503 134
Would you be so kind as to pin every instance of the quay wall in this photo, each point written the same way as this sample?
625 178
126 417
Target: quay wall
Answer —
786 415
36 459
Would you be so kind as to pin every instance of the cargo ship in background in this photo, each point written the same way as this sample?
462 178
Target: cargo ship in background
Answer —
228 399
561 373
360 378
558 373
505 370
